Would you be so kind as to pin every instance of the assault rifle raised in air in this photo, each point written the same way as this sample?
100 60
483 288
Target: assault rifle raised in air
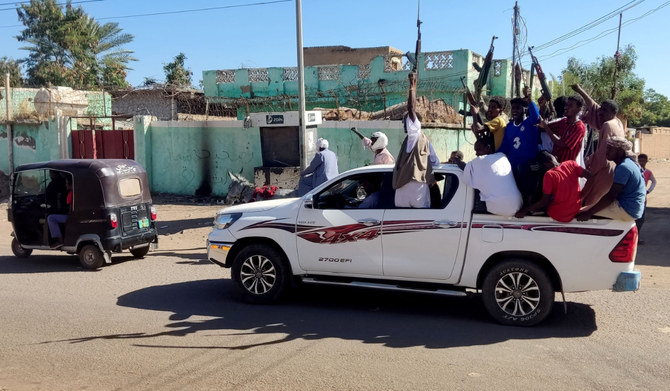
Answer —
546 91
359 134
414 58
472 101
483 71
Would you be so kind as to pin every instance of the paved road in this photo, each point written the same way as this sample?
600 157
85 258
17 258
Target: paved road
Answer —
169 322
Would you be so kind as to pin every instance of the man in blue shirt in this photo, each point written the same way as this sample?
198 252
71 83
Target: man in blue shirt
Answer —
625 200
520 144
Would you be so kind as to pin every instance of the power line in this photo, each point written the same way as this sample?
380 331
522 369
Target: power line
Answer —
603 33
197 9
181 11
19 4
589 25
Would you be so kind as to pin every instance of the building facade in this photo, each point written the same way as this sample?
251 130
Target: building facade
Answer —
370 87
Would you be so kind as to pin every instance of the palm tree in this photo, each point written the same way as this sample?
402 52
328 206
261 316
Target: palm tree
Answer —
72 48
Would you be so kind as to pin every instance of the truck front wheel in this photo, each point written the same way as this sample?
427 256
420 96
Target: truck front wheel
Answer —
518 292
260 274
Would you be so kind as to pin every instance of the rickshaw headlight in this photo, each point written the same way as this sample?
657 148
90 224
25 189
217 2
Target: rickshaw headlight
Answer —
225 220
153 213
113 220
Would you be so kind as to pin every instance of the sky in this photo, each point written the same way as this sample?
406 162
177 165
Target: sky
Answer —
231 34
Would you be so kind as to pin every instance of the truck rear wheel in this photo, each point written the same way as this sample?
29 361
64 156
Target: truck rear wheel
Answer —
19 251
260 274
91 257
518 292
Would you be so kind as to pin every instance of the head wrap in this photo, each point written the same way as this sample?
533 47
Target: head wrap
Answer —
322 143
379 141
623 144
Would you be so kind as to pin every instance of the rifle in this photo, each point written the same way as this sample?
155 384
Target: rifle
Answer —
414 58
472 101
546 91
483 71
359 134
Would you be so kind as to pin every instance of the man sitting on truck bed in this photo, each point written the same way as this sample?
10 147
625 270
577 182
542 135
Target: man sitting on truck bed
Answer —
625 200
491 174
560 189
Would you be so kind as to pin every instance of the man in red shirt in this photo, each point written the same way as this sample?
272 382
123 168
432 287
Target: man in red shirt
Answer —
560 189
567 133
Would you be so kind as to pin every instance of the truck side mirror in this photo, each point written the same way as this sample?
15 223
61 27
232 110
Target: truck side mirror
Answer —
309 203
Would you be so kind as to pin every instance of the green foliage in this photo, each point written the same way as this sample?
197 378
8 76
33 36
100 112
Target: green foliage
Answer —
114 74
69 48
151 82
656 110
598 78
176 74
8 65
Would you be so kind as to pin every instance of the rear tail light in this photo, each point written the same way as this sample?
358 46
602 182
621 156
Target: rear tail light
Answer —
153 213
625 250
113 220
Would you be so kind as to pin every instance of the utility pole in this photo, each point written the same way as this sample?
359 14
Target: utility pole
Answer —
616 58
301 85
515 32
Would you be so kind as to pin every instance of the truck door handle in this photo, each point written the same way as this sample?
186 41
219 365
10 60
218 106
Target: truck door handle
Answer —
445 223
368 222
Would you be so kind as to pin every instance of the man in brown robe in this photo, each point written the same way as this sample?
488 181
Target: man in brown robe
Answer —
603 118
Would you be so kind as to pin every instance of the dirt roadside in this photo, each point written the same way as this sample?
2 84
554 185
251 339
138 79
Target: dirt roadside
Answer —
184 223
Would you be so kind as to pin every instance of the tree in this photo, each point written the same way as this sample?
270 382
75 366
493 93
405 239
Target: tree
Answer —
151 82
656 110
11 66
597 79
176 74
67 47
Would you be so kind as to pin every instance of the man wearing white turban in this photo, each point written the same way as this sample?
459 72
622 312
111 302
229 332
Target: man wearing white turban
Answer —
322 168
413 172
377 143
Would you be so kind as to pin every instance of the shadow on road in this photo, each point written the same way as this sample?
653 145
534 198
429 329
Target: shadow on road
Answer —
388 318
175 226
63 262
56 262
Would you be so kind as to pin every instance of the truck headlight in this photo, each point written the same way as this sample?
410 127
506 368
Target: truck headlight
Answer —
225 220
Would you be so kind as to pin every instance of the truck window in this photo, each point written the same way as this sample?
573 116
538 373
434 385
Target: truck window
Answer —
450 187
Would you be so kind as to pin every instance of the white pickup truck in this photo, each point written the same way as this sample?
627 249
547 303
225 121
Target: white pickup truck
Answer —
332 235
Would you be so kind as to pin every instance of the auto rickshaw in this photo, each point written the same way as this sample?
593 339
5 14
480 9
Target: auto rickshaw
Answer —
86 207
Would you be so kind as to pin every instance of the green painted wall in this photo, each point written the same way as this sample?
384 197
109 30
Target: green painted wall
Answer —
32 143
195 157
22 106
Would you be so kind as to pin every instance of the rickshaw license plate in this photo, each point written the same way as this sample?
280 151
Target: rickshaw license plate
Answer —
143 223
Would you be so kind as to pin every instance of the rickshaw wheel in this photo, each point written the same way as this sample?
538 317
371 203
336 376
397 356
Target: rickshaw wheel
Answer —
140 252
19 251
91 257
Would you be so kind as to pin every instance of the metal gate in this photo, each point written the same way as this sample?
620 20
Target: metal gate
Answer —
92 142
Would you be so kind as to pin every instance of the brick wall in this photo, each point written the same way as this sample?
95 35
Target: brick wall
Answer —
655 142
